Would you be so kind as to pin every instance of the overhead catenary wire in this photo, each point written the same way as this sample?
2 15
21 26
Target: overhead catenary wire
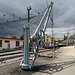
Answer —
30 23
15 21
47 3
25 6
21 20
12 13
36 18
11 8
50 19
21 3
8 14
27 2
36 11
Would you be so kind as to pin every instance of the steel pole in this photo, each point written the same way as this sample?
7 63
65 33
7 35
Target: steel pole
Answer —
67 38
26 45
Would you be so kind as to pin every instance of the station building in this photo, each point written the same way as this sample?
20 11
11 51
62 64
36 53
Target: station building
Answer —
10 41
48 40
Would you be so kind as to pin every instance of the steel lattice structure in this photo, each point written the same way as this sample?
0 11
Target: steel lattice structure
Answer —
33 43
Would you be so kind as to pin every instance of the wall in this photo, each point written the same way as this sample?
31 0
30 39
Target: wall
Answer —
12 44
49 39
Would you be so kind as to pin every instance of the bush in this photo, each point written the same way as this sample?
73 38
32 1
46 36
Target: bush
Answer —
22 37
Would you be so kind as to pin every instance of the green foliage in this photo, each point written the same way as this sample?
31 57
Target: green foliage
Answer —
38 55
22 37
65 37
59 41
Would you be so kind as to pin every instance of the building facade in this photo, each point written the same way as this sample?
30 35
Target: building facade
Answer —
9 42
48 40
70 40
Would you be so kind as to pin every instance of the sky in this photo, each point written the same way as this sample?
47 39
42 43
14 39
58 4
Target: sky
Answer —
63 14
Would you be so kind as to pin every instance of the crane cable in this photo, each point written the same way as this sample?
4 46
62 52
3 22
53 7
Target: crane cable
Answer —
30 23
50 19
47 3
11 9
41 13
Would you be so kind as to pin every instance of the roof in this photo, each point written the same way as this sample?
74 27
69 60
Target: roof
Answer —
72 37
11 37
49 36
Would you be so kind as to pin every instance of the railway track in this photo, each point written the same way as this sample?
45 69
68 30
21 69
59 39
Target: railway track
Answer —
7 55
10 55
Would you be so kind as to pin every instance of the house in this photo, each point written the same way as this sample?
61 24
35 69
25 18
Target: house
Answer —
48 40
70 40
10 41
72 37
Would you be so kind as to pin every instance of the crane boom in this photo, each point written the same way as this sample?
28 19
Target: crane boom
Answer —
32 44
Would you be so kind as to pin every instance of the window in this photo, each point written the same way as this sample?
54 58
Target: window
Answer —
7 41
51 39
17 43
46 39
0 43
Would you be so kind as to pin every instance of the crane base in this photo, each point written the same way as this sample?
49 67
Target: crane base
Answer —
25 66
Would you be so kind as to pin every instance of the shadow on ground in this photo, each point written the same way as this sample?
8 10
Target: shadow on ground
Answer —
47 69
53 67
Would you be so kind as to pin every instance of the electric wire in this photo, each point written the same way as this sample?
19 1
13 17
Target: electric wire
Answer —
10 8
36 11
15 21
30 23
25 6
8 14
13 13
36 18
28 2
20 3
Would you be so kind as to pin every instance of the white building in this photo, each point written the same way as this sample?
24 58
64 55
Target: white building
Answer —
10 41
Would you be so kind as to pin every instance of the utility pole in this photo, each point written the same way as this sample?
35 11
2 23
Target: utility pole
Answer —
26 42
67 38
29 8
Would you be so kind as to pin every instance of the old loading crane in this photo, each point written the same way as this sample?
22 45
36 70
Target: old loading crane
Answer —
31 51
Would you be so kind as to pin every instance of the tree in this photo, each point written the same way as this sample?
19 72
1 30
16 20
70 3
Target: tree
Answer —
65 37
22 37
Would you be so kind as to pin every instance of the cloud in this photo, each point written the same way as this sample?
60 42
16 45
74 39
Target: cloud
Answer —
60 32
63 12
